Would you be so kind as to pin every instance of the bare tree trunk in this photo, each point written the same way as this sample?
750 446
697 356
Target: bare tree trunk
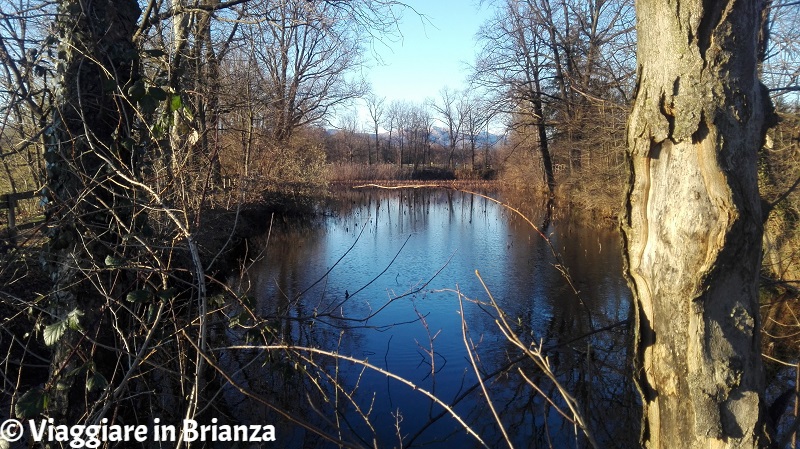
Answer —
389 142
206 82
182 132
472 147
400 161
248 140
377 147
544 148
694 223
556 47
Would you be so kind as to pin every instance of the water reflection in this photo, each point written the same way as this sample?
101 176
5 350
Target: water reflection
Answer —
384 278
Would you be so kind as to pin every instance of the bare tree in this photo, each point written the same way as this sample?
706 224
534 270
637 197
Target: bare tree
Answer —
781 51
512 66
377 110
400 111
476 113
453 118
390 123
555 65
417 133
307 52
694 223
26 81
347 137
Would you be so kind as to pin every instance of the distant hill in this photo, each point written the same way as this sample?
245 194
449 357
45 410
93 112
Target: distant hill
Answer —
441 136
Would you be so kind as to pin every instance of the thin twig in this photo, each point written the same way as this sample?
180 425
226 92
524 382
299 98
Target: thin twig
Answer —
470 352
375 368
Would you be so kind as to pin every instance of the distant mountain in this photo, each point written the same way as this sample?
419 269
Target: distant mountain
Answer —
442 137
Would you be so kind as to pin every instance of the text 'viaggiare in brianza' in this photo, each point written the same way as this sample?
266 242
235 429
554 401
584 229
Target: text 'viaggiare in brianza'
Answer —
94 435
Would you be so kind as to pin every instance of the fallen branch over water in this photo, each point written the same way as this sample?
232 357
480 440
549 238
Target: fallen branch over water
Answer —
456 185
400 186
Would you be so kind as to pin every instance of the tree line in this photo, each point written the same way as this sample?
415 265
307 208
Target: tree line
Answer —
451 131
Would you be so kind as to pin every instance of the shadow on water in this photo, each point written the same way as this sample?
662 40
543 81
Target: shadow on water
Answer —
383 279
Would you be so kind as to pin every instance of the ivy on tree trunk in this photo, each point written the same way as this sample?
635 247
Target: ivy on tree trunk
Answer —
89 143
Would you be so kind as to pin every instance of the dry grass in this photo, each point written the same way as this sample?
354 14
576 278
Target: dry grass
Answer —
600 197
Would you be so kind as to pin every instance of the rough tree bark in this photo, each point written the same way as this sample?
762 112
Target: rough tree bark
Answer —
87 142
693 226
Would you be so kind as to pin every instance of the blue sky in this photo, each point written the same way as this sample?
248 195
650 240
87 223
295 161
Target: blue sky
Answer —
434 51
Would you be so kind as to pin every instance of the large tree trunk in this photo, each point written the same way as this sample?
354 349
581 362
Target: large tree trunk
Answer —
694 225
86 149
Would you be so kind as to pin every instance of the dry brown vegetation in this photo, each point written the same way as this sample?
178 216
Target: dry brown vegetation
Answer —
779 174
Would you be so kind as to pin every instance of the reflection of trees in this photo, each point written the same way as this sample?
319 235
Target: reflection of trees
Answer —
537 301
587 346
593 367
285 307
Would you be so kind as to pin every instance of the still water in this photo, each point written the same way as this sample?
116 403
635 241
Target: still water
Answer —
404 280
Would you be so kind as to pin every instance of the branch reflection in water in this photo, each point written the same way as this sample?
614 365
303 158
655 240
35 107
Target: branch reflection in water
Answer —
344 308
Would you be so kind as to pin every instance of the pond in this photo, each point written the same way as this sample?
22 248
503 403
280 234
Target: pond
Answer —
405 282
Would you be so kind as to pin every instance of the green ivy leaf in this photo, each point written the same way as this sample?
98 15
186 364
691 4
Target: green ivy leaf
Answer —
217 300
73 319
76 371
31 404
139 296
151 312
113 262
175 103
148 104
128 143
54 332
74 9
137 91
96 382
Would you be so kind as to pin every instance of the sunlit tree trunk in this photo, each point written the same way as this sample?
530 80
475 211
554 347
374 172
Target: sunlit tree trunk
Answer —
694 223
179 131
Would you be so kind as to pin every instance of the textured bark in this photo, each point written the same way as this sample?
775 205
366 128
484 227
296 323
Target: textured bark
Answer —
693 227
90 125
